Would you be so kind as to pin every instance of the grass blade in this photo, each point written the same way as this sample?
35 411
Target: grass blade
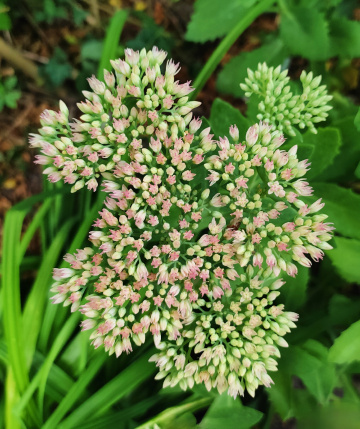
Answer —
52 310
34 308
112 37
76 391
124 383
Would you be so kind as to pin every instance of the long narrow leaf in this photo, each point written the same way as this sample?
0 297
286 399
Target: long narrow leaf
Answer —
130 378
33 312
76 391
111 40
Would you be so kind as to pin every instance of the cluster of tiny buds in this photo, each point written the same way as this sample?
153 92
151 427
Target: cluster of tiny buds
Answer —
194 234
279 106
135 101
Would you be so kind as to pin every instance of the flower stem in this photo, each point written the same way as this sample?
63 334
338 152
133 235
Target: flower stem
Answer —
227 42
170 414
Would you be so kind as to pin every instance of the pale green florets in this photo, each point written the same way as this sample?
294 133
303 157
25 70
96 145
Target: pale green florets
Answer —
279 106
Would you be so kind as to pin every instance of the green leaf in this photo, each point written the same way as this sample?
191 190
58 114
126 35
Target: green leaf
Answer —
76 391
343 310
342 206
5 21
345 258
344 38
213 19
320 149
345 163
346 347
11 98
338 414
357 171
294 291
223 115
229 413
281 395
310 364
92 50
58 68
304 31
357 120
235 71
121 385
111 42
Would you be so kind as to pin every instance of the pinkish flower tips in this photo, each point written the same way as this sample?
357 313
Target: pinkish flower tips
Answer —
192 241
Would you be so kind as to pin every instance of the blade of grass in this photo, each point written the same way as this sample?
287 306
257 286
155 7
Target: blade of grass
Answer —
34 307
34 225
76 391
119 419
40 378
112 37
12 305
11 422
121 385
59 380
227 42
52 310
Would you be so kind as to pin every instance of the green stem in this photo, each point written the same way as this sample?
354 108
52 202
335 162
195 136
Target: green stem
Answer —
227 42
170 414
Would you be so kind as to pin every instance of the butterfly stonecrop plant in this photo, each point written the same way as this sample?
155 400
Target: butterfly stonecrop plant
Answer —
195 233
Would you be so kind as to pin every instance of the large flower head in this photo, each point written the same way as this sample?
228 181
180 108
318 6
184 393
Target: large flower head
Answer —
194 234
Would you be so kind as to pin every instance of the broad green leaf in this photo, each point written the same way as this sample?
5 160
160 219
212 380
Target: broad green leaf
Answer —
223 115
294 291
92 50
304 31
281 394
213 19
342 206
357 120
321 149
229 413
336 415
345 258
310 364
344 37
343 166
343 310
235 71
58 68
346 347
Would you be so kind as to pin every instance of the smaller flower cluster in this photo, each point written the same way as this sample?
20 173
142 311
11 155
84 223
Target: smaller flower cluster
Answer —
132 103
261 188
233 340
279 106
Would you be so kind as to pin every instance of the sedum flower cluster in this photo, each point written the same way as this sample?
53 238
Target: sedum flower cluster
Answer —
194 234
279 106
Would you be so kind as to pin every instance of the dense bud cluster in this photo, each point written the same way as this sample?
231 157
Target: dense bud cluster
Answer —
279 106
194 233
132 102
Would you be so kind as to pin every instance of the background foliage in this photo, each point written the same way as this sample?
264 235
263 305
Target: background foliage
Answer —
50 375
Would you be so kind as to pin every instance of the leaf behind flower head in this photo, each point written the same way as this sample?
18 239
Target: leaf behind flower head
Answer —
223 115
229 413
